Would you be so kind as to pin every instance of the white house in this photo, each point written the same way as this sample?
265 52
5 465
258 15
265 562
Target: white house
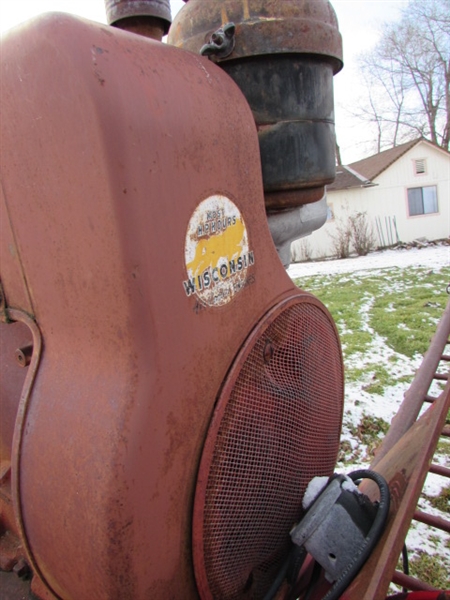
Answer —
404 193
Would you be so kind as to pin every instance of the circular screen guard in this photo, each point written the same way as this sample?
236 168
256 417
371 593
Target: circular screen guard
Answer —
276 426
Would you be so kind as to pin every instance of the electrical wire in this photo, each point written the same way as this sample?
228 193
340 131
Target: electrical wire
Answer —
278 581
405 563
314 579
289 570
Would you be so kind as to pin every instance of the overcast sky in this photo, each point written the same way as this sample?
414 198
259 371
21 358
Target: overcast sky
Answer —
360 23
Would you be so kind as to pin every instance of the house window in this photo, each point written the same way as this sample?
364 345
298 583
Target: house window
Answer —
422 200
330 213
420 166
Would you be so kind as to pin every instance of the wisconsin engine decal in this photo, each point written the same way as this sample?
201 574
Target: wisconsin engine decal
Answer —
217 253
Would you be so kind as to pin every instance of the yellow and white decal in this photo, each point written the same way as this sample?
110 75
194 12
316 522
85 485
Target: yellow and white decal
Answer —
217 252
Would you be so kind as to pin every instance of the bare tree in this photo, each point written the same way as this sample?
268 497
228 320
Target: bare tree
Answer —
408 76
385 102
354 230
362 235
341 239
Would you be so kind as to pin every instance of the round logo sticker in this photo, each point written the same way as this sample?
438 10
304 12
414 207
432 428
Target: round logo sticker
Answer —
217 253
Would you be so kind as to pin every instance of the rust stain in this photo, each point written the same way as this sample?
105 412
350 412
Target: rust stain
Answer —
397 487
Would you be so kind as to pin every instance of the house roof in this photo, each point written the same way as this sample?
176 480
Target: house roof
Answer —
362 172
376 164
347 177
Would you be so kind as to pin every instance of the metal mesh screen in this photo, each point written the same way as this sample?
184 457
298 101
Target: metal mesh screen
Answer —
277 425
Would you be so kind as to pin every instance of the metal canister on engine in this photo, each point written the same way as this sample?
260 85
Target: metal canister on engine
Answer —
283 58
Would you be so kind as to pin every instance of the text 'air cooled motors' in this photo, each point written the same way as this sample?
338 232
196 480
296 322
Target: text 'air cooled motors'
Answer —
175 392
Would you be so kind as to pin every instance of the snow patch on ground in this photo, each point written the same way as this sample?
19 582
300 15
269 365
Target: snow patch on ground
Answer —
432 256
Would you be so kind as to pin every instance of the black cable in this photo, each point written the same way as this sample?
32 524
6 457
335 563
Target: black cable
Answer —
405 564
372 537
314 579
298 555
289 570
278 580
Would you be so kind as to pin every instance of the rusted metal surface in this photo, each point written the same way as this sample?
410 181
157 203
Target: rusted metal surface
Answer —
110 427
221 42
11 549
405 466
12 337
291 98
282 55
119 11
432 520
285 199
12 277
429 399
411 583
440 376
145 26
439 469
23 355
263 27
12 381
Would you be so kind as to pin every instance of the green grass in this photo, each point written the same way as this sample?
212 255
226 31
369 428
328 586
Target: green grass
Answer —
381 378
443 446
370 431
441 502
403 306
430 569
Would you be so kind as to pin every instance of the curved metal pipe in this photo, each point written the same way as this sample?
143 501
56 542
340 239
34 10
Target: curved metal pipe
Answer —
289 225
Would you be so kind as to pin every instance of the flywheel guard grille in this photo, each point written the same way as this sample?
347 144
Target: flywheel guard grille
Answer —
276 425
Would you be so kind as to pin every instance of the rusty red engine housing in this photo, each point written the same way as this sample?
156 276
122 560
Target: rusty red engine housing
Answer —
111 144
